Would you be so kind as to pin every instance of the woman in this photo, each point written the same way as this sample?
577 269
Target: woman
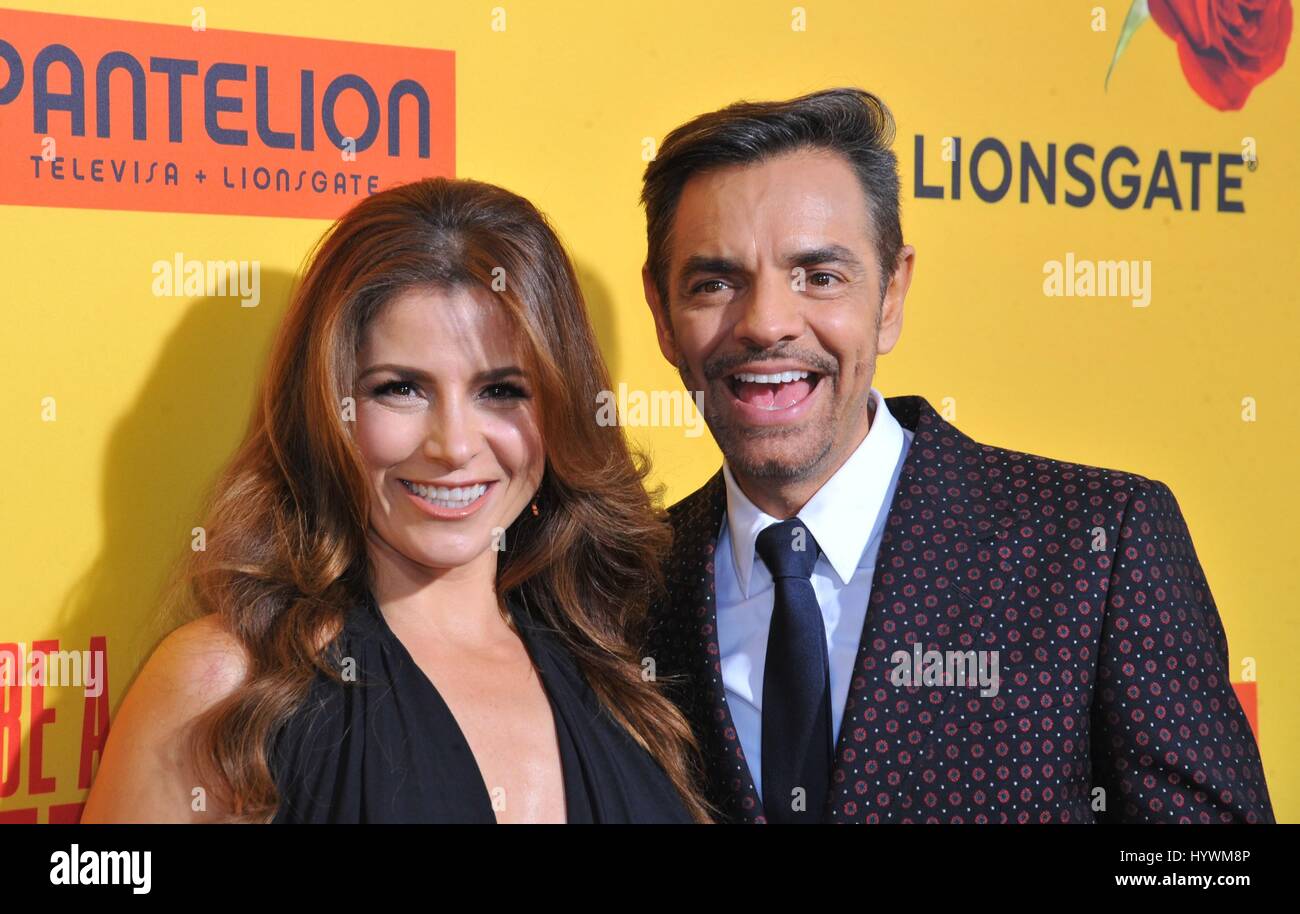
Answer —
427 565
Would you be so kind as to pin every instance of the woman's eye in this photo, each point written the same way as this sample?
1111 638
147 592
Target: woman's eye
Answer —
395 389
504 391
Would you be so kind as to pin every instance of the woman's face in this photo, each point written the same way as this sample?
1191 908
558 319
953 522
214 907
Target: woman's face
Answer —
447 426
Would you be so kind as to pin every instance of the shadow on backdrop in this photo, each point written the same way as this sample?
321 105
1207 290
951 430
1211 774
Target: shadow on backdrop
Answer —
162 457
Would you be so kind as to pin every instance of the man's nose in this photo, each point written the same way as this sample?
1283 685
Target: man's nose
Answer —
773 312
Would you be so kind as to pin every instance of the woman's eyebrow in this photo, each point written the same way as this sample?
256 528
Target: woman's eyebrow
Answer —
416 374
403 371
499 374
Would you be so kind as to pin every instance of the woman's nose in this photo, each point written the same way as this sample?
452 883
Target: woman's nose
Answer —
453 434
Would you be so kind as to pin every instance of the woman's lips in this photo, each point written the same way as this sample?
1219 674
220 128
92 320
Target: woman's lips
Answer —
444 511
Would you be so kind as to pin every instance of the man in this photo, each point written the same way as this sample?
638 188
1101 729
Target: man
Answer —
872 617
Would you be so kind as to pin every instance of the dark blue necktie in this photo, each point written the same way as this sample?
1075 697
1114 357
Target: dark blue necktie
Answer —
797 751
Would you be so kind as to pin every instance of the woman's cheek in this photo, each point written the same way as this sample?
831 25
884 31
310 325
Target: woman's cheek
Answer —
384 437
517 442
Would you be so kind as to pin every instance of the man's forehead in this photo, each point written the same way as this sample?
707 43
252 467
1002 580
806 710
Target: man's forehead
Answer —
784 204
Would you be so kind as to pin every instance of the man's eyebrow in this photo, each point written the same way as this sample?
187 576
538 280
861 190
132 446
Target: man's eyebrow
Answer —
831 253
408 373
704 263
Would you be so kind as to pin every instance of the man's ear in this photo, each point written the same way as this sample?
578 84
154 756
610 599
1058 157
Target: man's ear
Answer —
891 308
659 309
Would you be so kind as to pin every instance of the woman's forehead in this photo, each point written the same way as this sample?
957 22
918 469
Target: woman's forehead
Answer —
442 327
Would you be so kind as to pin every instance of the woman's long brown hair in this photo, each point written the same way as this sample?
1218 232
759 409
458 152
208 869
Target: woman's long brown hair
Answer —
286 557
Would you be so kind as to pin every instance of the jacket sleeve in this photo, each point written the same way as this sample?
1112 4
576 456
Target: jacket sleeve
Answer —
1170 742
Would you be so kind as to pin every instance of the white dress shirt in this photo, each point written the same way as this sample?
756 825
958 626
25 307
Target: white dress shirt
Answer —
847 518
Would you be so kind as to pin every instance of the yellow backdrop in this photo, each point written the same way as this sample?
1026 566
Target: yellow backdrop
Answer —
151 392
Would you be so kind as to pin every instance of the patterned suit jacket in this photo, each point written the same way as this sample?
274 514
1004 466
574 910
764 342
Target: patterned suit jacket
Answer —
1114 701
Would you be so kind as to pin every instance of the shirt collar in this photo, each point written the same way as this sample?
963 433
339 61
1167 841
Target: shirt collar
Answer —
840 515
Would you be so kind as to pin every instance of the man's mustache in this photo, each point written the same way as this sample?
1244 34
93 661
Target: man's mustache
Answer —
719 367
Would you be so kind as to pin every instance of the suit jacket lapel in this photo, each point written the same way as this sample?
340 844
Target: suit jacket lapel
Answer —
929 590
696 521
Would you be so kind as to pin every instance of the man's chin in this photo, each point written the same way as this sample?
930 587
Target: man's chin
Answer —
772 462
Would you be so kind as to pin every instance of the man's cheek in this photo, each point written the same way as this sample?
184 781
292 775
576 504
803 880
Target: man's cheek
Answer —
691 379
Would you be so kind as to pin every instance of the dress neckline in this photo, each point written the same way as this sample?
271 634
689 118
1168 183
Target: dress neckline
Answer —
539 657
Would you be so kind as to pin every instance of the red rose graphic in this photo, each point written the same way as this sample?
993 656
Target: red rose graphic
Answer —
1226 47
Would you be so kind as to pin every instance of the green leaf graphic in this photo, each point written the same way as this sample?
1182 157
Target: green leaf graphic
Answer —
1137 14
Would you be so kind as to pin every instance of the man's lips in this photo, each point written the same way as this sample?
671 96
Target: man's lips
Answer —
772 396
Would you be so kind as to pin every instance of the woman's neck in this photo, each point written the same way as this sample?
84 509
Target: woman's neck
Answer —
456 605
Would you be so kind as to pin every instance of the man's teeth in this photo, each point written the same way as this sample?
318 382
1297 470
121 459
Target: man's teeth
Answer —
458 497
781 377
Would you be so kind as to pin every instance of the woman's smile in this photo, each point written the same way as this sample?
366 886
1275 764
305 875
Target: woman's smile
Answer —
448 503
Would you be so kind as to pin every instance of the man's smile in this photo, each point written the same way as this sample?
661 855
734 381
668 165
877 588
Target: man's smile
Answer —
773 394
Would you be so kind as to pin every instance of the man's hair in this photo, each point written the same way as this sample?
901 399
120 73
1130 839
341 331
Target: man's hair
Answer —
851 122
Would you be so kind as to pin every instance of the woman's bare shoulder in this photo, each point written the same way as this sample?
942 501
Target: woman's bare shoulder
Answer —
147 774
202 659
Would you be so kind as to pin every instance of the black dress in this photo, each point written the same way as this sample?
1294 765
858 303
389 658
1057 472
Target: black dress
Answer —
386 747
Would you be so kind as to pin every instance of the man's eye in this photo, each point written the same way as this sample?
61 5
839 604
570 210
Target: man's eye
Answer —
822 278
710 285
395 389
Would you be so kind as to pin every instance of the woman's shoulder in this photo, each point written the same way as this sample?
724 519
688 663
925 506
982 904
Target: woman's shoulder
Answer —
203 661
195 666
198 665
145 774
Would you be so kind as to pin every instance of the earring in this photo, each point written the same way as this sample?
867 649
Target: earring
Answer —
535 511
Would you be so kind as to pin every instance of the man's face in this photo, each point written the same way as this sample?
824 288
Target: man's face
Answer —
775 311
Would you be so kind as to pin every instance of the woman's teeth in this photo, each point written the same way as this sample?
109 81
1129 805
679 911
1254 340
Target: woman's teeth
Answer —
443 497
